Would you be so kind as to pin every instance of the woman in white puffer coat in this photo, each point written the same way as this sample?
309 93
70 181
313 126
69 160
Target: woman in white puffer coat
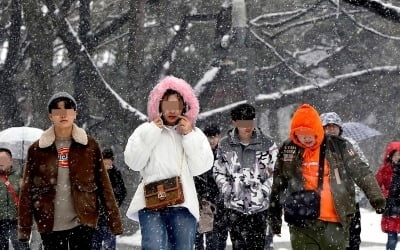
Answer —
167 146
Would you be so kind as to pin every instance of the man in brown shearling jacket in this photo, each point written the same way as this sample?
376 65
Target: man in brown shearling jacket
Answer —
63 179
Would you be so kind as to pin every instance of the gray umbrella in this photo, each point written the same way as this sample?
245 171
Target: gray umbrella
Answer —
358 131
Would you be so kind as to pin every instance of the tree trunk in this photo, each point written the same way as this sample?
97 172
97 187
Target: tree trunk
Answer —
8 99
135 59
83 76
41 52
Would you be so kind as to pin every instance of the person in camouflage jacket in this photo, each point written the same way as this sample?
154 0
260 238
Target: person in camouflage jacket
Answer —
243 172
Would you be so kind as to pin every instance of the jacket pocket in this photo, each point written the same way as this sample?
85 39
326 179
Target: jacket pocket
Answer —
42 201
86 197
87 187
40 192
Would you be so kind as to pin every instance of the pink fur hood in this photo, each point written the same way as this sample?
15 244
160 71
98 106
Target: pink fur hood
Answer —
183 88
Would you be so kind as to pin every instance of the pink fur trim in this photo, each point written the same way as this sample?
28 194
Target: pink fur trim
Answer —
179 85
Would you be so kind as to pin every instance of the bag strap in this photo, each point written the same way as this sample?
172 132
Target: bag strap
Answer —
10 189
321 164
180 169
182 158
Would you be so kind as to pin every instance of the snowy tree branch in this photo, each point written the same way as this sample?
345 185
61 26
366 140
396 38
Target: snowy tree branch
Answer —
207 78
305 22
102 34
366 27
283 60
209 113
165 55
122 102
293 15
300 90
325 83
386 10
77 50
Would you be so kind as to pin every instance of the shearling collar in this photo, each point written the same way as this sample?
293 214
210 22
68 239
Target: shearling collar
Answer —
48 137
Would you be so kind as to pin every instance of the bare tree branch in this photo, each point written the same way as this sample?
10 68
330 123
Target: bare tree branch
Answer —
280 57
105 32
365 27
386 10
305 22
77 51
165 56
298 91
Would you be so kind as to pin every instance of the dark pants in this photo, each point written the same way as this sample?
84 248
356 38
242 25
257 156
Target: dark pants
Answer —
199 242
319 235
247 231
8 231
269 239
220 228
392 241
77 238
103 234
355 231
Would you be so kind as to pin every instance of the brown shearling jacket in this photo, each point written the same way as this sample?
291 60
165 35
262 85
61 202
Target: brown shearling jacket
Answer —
89 181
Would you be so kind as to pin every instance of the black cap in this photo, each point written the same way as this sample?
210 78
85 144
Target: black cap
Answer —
108 154
212 130
6 150
243 112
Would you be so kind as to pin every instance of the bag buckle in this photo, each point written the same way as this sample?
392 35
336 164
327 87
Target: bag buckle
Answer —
161 194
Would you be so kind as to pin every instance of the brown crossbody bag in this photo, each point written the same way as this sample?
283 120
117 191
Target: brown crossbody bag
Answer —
164 193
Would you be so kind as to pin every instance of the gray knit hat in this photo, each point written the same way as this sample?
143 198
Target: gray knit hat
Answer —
331 118
61 95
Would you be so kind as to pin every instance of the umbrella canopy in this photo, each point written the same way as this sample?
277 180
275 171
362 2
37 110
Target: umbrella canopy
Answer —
358 131
19 139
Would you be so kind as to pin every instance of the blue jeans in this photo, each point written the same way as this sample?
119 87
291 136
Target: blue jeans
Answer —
103 234
392 241
168 228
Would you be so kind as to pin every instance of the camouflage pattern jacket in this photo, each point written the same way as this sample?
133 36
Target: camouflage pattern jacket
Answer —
244 172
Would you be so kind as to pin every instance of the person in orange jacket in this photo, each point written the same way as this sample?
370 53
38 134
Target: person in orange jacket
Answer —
297 169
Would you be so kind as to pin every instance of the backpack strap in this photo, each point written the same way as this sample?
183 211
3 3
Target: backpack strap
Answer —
321 164
10 189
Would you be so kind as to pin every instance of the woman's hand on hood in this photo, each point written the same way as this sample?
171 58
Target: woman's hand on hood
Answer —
185 124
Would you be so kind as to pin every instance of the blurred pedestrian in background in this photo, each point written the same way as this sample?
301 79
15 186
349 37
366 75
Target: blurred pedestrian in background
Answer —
332 124
102 237
209 198
9 189
388 177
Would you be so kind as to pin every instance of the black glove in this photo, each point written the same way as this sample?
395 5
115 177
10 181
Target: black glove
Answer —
378 204
380 210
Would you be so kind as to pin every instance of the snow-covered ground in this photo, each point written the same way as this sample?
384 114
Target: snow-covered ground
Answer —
370 225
